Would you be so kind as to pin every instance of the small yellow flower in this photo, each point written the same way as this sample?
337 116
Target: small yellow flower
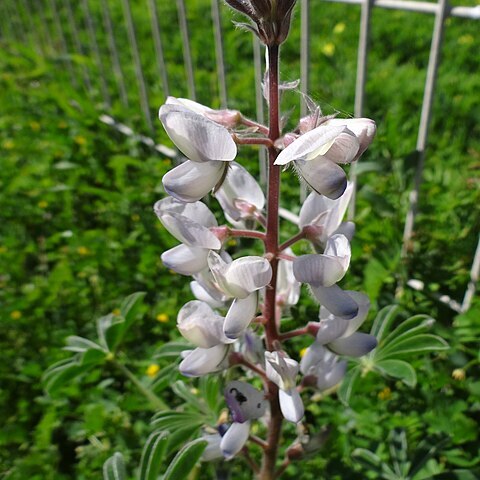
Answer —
172 272
83 251
63 125
42 204
79 140
152 370
459 374
303 351
16 314
162 318
166 161
232 242
385 394
328 49
135 217
3 249
339 28
8 144
116 311
466 39
35 126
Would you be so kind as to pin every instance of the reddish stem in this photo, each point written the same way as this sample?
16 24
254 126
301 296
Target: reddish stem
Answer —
252 141
269 458
247 234
250 123
294 333
299 236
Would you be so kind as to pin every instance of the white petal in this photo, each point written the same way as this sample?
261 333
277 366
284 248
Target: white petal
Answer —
190 181
248 274
244 401
323 176
281 369
239 185
189 232
318 270
185 260
313 356
239 315
190 104
196 211
200 293
201 361
213 451
344 148
199 324
198 138
330 378
219 269
347 229
330 329
310 145
356 345
288 289
234 439
363 128
291 405
335 300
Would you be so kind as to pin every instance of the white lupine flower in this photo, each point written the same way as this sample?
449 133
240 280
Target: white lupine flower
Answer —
241 277
234 439
188 222
185 260
325 214
199 324
205 289
239 315
288 288
323 365
200 293
202 361
282 371
240 189
208 146
317 153
190 104
324 269
341 335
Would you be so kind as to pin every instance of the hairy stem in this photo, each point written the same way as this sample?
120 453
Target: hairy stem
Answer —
267 470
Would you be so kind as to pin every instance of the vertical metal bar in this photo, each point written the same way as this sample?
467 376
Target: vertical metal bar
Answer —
304 53
182 22
63 43
96 52
217 32
112 47
18 25
157 41
46 28
257 62
472 284
138 64
362 59
35 39
442 12
8 26
78 46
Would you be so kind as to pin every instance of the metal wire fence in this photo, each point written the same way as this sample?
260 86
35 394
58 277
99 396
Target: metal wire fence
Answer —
102 66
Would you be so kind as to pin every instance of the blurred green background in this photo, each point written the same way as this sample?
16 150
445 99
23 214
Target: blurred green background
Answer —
78 232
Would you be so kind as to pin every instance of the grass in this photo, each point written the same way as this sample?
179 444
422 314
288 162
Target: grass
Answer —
78 232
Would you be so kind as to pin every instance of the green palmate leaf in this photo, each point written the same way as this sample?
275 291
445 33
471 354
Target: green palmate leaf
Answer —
384 321
394 339
425 451
185 460
152 455
80 344
408 324
109 330
346 387
180 436
183 391
419 344
130 308
114 468
92 357
458 475
171 349
368 458
171 420
210 388
398 451
398 369
61 373
164 378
